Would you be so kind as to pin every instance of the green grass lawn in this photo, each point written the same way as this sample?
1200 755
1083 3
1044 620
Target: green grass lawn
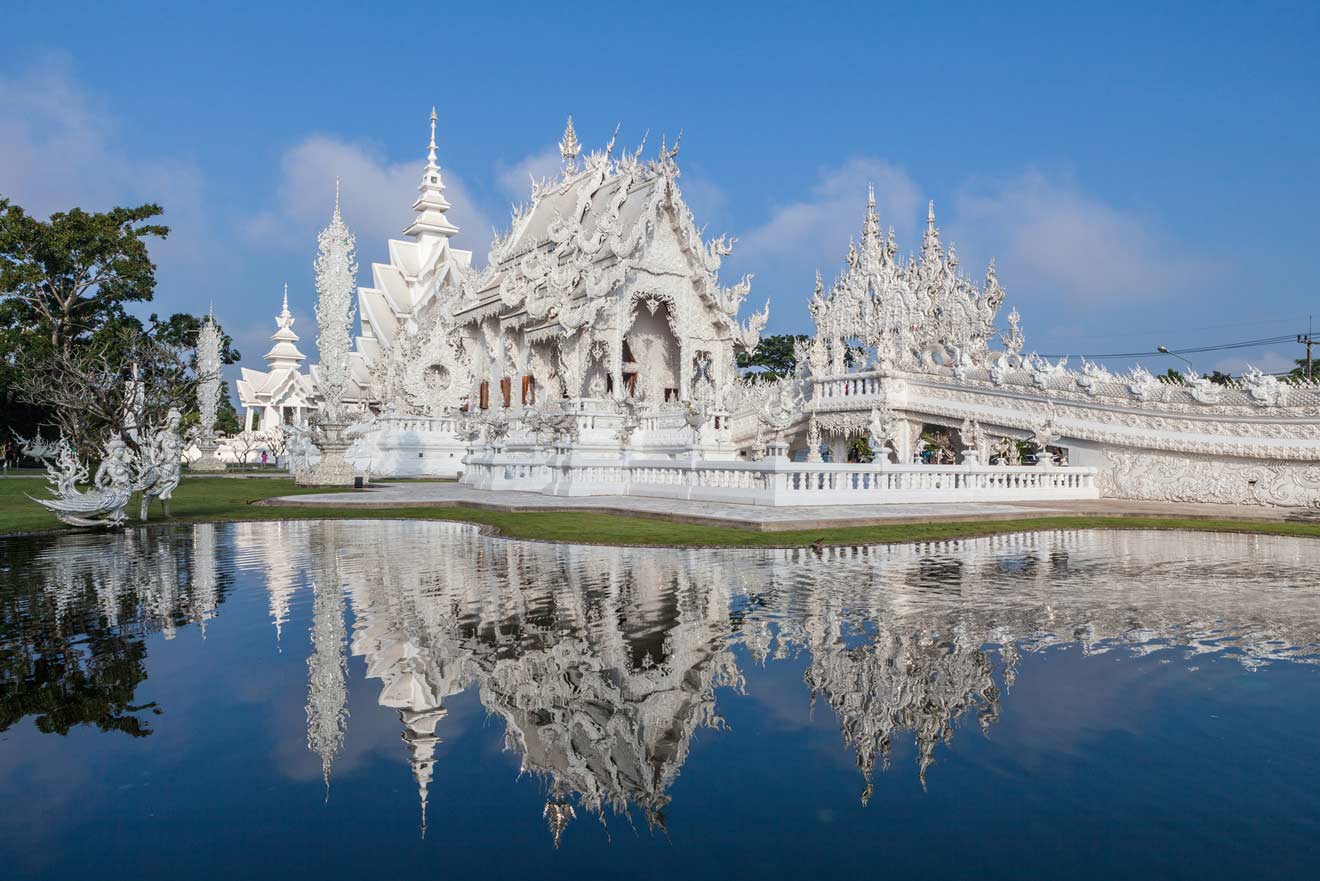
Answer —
215 498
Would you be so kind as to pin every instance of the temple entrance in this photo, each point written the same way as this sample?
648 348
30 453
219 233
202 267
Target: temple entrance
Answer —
652 350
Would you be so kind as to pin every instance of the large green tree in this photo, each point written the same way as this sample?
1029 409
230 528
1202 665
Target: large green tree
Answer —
772 358
63 278
68 344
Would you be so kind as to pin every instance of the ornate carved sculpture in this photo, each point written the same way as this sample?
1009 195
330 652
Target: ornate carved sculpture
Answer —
1043 434
884 429
813 440
782 407
164 450
336 270
105 501
208 395
1202 389
1265 390
922 311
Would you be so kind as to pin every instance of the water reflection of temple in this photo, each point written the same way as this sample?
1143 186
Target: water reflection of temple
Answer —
75 613
602 663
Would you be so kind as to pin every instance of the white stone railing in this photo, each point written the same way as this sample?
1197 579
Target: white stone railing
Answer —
774 481
840 390
415 423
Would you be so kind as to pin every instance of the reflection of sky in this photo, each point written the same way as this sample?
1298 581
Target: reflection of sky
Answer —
1097 763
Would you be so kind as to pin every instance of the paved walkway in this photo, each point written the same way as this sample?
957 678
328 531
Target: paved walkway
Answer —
409 494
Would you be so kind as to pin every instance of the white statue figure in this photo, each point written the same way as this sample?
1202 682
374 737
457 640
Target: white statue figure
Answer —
883 428
813 440
782 407
164 450
695 417
1008 452
298 449
101 505
1043 434
973 440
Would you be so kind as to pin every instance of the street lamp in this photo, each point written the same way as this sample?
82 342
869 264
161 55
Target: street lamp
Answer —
1164 350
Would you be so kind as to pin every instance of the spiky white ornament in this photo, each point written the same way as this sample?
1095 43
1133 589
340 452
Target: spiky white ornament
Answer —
336 275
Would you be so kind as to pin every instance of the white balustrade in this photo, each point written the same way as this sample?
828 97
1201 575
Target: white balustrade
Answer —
773 481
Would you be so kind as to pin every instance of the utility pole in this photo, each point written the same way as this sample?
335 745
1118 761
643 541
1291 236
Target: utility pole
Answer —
1308 340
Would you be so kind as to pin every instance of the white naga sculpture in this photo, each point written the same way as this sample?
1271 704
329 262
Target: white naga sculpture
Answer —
104 502
153 471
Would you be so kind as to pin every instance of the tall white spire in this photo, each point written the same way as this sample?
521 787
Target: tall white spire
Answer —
336 278
284 355
431 205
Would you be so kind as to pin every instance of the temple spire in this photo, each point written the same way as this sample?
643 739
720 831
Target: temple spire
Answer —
932 252
430 155
284 354
570 147
871 225
431 205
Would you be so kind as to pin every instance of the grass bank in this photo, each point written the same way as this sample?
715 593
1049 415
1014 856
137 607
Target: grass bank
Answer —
202 499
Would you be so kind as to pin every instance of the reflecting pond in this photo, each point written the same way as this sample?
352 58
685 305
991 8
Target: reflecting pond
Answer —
390 699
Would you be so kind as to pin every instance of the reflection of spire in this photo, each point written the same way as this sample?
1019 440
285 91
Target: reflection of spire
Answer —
419 734
203 575
327 692
558 812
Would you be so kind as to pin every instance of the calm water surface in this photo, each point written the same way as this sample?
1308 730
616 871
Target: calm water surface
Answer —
407 700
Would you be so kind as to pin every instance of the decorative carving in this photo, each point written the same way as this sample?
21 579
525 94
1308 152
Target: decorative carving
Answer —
336 269
884 429
164 450
1182 478
105 501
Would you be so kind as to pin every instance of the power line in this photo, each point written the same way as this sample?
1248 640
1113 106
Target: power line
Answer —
1192 350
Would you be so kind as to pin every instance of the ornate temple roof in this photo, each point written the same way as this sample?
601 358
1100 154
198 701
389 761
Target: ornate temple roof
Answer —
582 235
404 291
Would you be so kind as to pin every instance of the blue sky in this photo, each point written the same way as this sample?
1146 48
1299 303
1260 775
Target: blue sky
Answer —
1143 176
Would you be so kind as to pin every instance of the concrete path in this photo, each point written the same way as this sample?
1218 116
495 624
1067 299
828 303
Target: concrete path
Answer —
418 494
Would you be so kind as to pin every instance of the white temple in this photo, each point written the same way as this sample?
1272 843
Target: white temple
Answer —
595 354
283 394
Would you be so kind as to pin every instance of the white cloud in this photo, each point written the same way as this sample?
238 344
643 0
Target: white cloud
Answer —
60 149
1052 238
515 180
813 233
1268 361
375 198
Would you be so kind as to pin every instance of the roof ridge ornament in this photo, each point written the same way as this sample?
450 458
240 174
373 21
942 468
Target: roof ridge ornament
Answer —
570 147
